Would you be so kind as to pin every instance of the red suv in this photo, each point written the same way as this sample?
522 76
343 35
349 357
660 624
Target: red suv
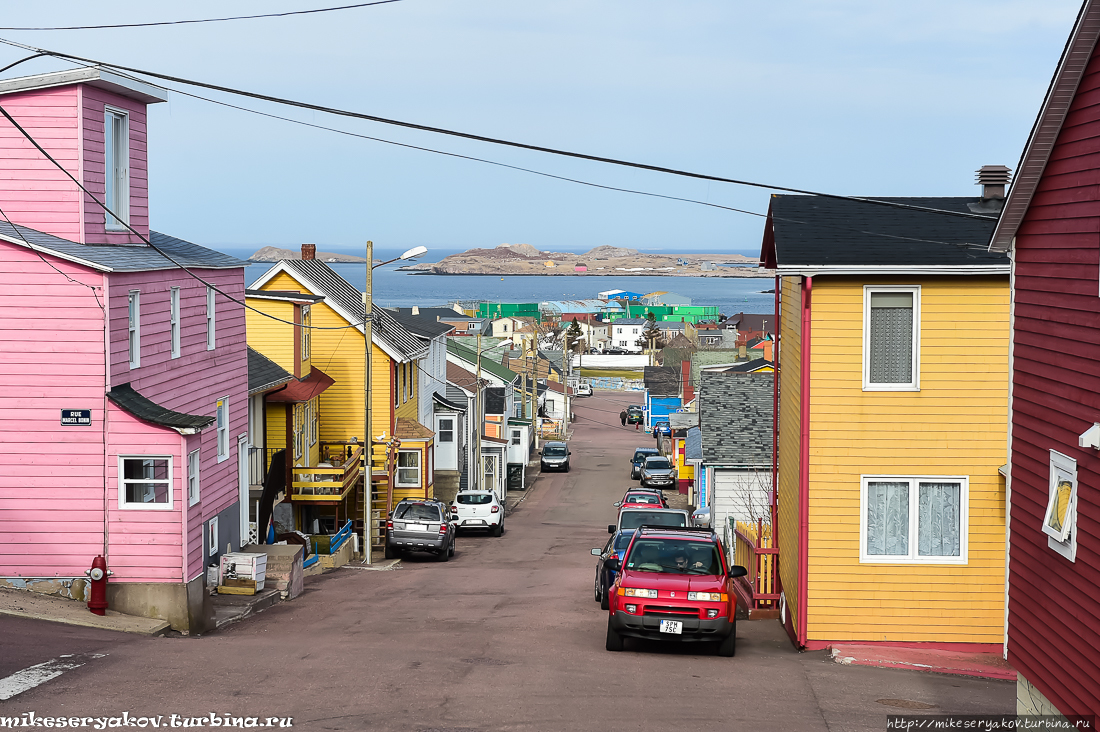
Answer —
674 584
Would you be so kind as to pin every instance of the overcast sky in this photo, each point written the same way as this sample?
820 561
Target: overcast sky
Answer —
847 96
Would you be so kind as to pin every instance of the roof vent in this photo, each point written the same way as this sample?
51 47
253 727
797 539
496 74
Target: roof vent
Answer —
993 179
309 251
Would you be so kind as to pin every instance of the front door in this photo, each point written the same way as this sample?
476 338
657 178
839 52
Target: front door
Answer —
242 488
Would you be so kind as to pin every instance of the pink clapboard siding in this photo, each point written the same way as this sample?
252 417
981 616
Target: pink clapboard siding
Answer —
51 358
145 544
193 382
94 102
33 192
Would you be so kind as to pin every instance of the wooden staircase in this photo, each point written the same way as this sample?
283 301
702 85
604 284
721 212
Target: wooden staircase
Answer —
380 500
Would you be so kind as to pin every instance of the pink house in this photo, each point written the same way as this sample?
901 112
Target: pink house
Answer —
125 378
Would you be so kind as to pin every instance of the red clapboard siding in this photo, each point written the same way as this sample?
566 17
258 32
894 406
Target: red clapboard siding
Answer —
1053 605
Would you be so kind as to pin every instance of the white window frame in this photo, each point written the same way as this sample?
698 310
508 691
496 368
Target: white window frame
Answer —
398 468
1064 542
174 318
123 504
314 419
211 325
517 437
448 430
133 335
193 463
212 537
914 486
868 290
307 320
117 170
221 423
297 417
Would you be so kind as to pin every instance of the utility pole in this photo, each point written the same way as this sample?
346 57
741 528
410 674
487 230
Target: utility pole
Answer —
368 441
535 398
478 416
565 386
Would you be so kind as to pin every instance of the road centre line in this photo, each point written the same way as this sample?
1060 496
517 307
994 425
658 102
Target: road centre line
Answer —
39 674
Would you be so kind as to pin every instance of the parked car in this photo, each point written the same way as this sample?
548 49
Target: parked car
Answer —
658 472
701 517
662 428
635 414
555 456
605 576
420 526
642 498
583 390
640 454
478 510
632 518
673 585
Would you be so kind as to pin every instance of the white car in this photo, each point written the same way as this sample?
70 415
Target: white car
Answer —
478 510
583 390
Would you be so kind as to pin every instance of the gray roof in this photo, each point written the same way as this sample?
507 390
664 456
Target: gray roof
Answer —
350 299
123 258
423 325
284 295
125 397
630 321
750 366
693 444
263 373
683 420
662 380
735 416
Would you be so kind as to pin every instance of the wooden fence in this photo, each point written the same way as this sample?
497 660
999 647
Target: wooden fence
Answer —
754 550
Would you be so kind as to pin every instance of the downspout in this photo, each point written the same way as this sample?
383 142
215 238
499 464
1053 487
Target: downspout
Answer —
1011 380
804 467
775 433
105 308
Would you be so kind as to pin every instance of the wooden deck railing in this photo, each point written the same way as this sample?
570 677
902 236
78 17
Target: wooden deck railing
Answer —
754 550
325 485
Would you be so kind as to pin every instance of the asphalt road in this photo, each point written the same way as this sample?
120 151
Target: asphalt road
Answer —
506 636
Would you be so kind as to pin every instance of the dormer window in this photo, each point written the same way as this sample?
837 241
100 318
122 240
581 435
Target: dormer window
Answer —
116 173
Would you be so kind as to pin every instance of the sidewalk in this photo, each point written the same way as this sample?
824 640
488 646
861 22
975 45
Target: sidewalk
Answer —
982 665
25 604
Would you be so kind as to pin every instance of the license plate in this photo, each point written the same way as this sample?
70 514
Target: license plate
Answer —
672 626
416 527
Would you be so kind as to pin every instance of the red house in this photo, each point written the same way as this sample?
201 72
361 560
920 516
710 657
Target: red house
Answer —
1050 226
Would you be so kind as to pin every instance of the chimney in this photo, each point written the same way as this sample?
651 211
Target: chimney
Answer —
416 310
309 251
993 179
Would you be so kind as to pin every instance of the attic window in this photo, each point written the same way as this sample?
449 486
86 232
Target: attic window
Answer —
116 168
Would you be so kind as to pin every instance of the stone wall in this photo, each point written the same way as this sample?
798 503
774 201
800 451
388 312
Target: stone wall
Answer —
1031 702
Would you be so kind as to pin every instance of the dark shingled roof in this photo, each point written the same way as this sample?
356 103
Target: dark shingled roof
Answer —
263 373
350 299
423 325
817 231
662 380
124 397
750 366
128 258
735 416
284 295
693 444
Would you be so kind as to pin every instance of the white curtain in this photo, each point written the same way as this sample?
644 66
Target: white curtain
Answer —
887 519
938 519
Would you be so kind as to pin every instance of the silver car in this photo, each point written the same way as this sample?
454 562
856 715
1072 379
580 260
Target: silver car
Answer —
420 526
657 472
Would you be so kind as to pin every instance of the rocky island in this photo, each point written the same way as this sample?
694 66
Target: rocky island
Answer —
275 254
524 259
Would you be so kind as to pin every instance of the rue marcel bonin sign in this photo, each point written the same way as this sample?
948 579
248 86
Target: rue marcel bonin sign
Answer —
76 417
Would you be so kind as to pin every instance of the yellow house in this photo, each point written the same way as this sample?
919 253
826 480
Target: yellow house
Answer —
893 364
402 459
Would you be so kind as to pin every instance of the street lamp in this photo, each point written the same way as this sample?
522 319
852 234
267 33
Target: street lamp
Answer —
368 443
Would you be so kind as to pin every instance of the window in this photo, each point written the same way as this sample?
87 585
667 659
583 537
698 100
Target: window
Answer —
891 338
911 520
408 468
489 471
446 430
221 414
192 477
516 437
210 318
145 482
134 314
1060 519
174 315
314 420
296 428
411 379
116 168
307 320
212 536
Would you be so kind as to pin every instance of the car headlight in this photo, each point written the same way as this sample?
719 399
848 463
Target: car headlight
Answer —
637 592
708 596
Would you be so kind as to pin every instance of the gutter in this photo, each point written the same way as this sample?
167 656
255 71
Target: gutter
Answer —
804 467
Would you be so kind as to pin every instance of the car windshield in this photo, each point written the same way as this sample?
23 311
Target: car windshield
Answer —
553 451
642 498
417 512
640 456
623 540
674 556
657 464
634 519
475 499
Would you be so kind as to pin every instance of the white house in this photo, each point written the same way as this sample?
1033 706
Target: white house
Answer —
625 333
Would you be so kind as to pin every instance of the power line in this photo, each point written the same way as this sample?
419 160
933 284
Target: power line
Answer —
200 20
495 140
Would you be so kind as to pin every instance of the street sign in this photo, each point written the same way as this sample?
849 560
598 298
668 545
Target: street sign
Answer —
76 417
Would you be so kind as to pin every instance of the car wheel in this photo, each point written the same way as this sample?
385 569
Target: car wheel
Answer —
728 647
599 595
498 529
444 555
567 467
391 553
614 640
605 601
454 548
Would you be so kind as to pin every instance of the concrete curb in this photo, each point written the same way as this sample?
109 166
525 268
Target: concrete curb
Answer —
980 665
23 604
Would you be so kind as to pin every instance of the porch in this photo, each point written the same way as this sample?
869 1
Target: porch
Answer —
754 550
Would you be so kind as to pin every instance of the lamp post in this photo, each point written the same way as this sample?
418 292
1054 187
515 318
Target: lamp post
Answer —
368 441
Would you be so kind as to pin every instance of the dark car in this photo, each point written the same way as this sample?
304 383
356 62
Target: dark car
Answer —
555 456
658 472
420 526
636 462
605 576
635 414
673 585
662 428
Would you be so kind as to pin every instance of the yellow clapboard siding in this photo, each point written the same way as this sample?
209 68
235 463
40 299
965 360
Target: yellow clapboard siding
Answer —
275 429
955 425
789 442
270 337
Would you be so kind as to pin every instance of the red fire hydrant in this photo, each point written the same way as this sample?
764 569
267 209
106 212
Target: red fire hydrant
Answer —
98 574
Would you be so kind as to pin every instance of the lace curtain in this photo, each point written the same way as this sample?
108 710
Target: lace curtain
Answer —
938 506
891 344
888 519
